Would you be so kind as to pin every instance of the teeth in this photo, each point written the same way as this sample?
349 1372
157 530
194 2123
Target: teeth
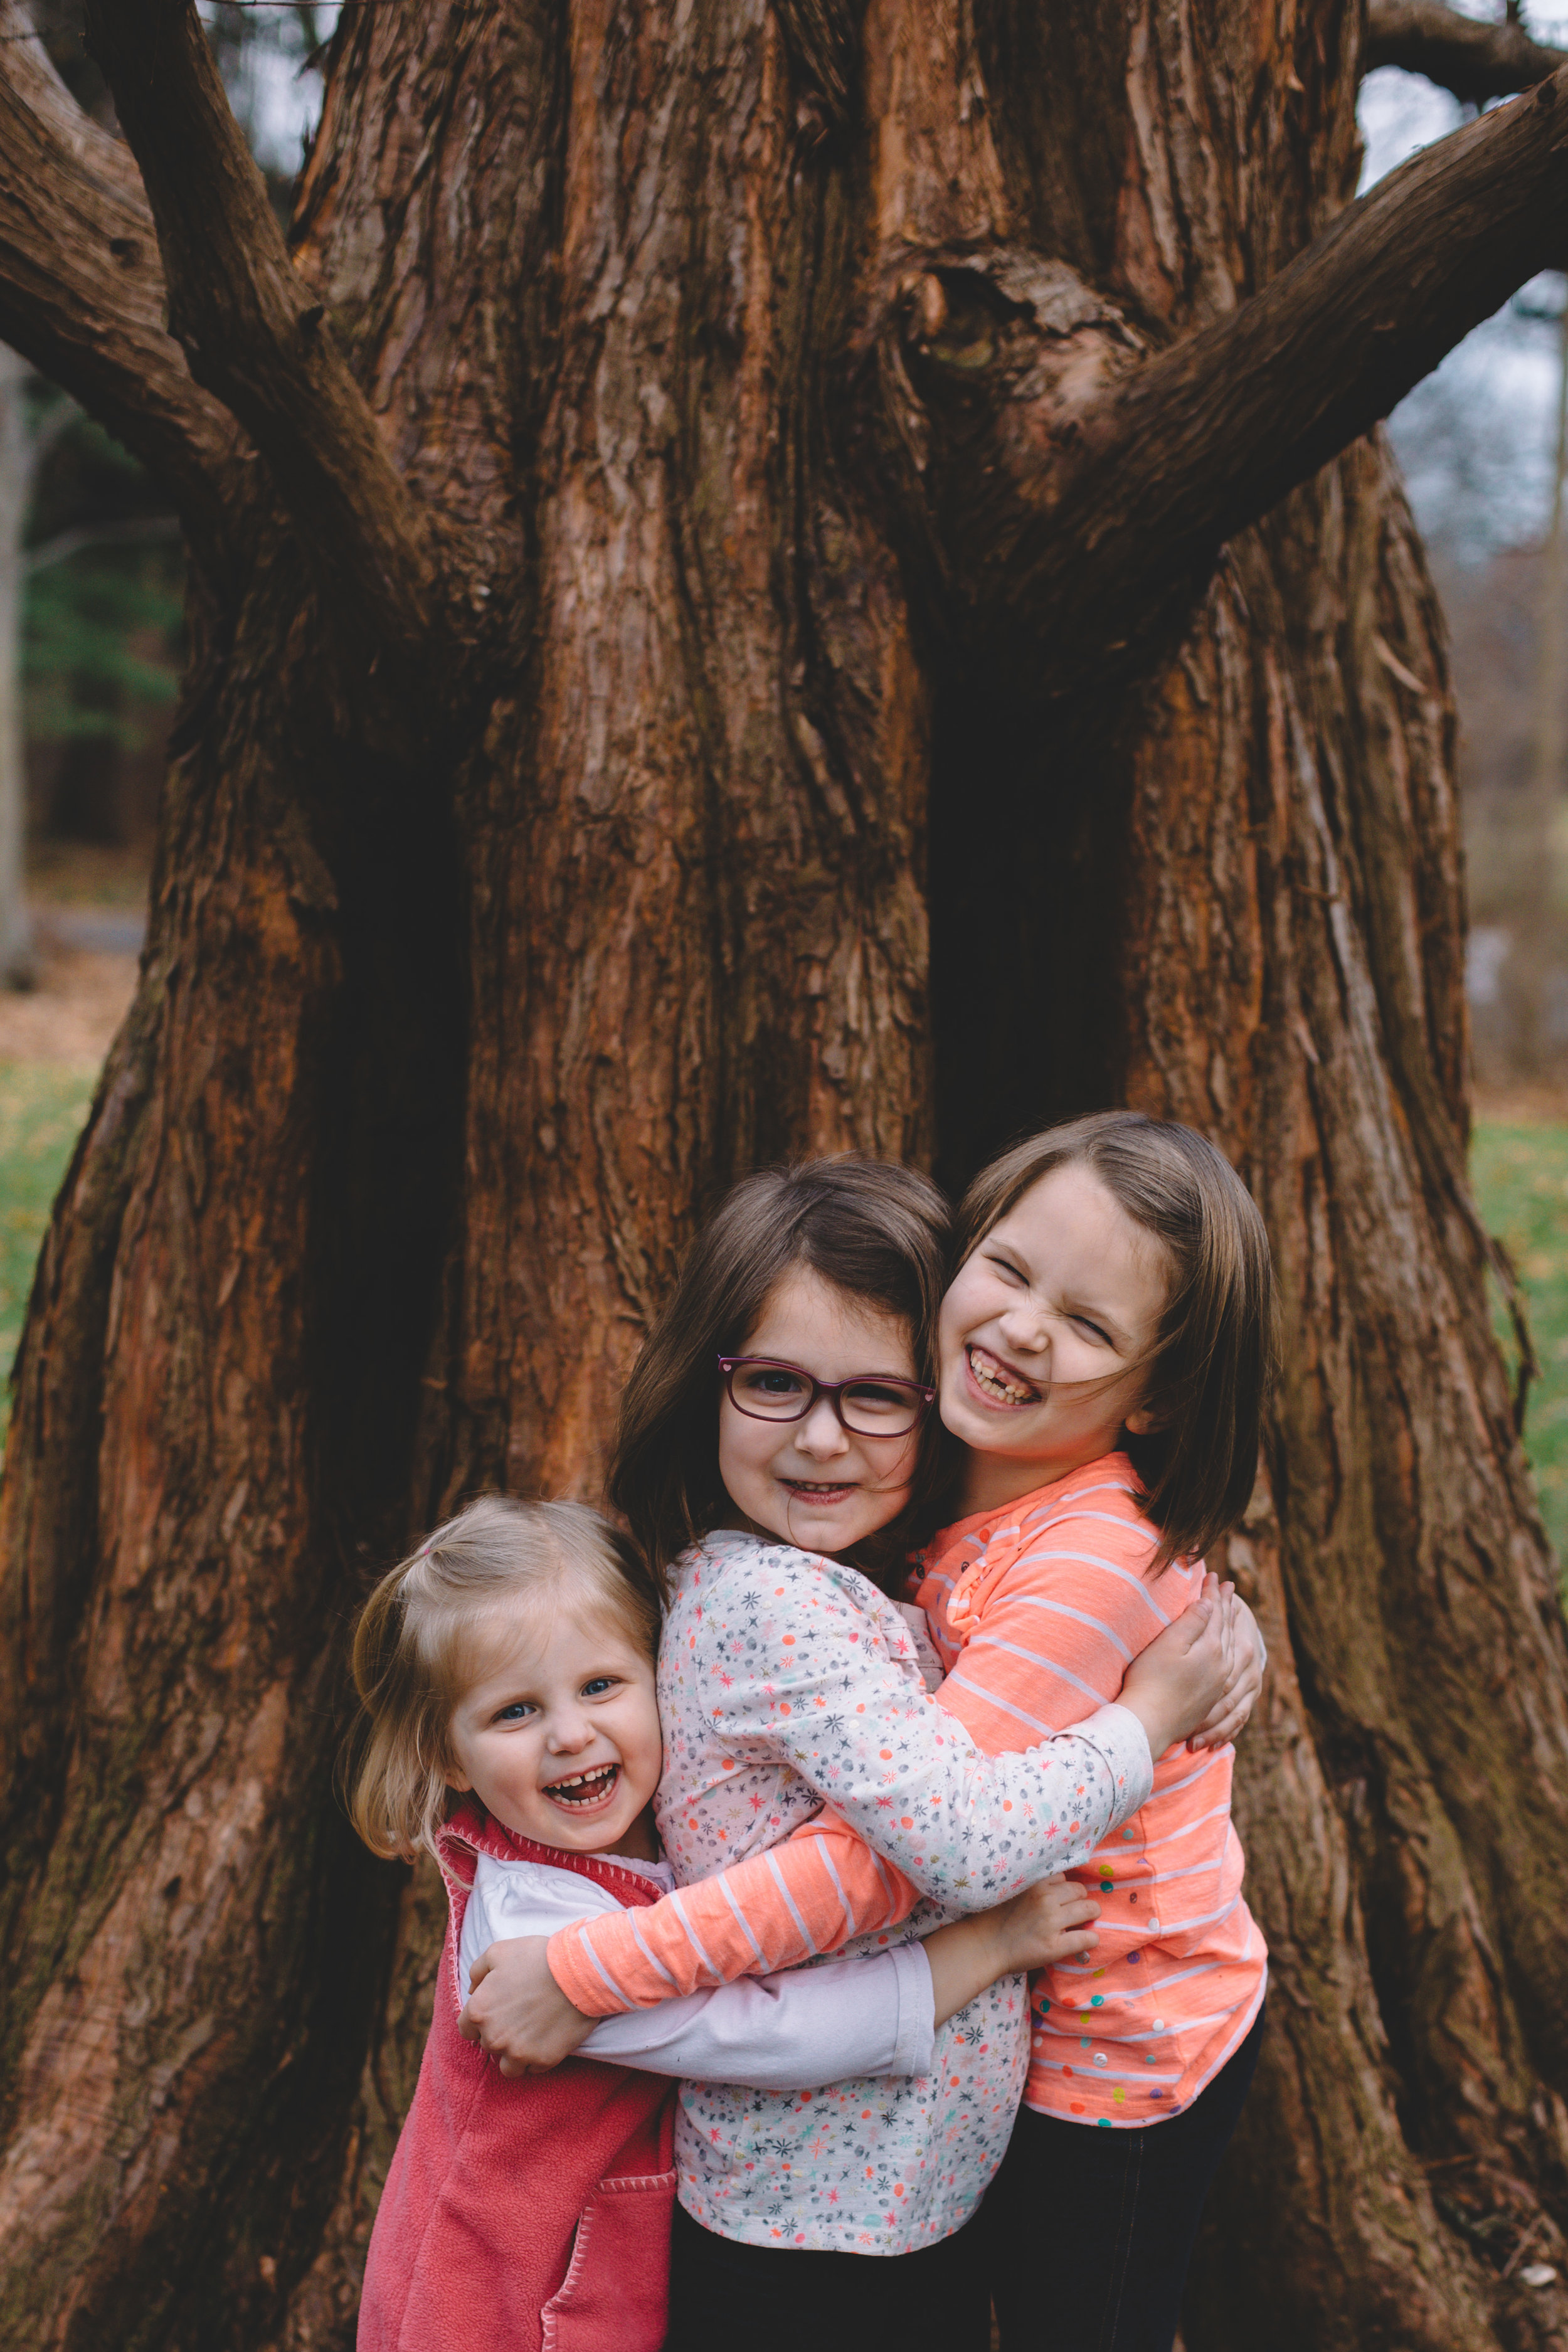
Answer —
589 1783
996 1384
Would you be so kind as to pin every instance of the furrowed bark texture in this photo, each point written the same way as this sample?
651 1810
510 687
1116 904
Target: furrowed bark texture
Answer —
468 992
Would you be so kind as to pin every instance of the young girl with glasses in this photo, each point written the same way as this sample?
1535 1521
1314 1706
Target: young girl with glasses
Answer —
774 1432
506 1675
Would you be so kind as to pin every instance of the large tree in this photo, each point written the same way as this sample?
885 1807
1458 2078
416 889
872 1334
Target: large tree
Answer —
767 575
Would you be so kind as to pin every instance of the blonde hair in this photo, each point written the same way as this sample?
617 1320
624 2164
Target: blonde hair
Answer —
1212 1367
418 1637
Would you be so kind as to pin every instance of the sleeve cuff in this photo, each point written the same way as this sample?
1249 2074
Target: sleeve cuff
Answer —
914 2048
1125 1744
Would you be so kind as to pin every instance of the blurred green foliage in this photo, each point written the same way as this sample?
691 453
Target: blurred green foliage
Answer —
1520 1177
42 1107
101 631
85 653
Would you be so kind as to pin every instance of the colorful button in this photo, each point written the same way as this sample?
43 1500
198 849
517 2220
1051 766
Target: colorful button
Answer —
1101 2059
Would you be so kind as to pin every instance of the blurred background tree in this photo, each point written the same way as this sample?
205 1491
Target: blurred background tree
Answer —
91 565
1482 448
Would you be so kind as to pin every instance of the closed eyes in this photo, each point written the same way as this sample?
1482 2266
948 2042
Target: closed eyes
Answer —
1004 1266
1085 1324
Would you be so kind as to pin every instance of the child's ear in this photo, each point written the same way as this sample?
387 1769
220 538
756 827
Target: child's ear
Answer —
1144 1420
456 1780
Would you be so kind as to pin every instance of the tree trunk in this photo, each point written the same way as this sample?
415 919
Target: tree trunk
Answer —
683 736
17 967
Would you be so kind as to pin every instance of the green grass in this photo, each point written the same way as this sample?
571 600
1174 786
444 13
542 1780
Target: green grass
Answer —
1521 1182
42 1106
1521 1175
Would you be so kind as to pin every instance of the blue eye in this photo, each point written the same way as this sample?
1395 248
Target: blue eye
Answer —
516 1711
600 1684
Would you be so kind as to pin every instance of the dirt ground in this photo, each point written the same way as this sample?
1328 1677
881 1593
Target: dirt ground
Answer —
1522 1106
87 976
72 1015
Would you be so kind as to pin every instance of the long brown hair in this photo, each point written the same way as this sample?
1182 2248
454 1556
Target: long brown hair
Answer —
1211 1366
420 1639
876 1232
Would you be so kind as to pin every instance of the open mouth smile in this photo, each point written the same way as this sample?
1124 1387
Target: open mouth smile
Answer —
585 1793
996 1382
810 1492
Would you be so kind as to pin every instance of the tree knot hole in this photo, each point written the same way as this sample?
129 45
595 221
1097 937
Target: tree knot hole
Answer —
949 317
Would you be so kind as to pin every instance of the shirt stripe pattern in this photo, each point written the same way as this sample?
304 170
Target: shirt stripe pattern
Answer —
786 1681
1035 1611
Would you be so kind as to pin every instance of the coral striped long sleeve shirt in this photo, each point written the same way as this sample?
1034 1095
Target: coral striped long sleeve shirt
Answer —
1036 1610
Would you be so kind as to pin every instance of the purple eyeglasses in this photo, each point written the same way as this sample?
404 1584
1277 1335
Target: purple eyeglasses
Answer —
871 1404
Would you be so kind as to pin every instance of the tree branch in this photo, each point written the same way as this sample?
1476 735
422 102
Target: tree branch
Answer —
82 291
1475 60
249 329
1072 483
135 530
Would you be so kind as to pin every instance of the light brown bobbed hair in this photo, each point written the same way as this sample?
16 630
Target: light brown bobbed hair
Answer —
1212 1367
419 1641
876 1232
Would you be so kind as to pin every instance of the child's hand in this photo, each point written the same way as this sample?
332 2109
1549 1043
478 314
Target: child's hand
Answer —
1175 1684
1047 1922
1228 1720
518 2011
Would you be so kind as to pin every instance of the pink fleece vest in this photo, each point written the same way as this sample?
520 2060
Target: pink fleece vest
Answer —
530 2215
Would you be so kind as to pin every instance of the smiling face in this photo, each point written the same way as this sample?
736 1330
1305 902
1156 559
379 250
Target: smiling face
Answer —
1046 1335
558 1734
813 1483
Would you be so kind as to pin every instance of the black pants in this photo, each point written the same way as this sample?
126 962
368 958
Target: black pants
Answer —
1089 2232
728 2297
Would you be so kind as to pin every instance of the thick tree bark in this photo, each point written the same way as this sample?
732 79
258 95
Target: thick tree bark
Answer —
698 828
18 967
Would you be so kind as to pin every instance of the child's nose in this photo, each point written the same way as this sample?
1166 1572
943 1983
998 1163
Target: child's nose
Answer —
568 1730
1027 1328
821 1433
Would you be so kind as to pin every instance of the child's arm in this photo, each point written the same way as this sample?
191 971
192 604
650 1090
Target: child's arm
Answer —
814 1891
1074 1621
810 1894
877 2015
1047 1923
